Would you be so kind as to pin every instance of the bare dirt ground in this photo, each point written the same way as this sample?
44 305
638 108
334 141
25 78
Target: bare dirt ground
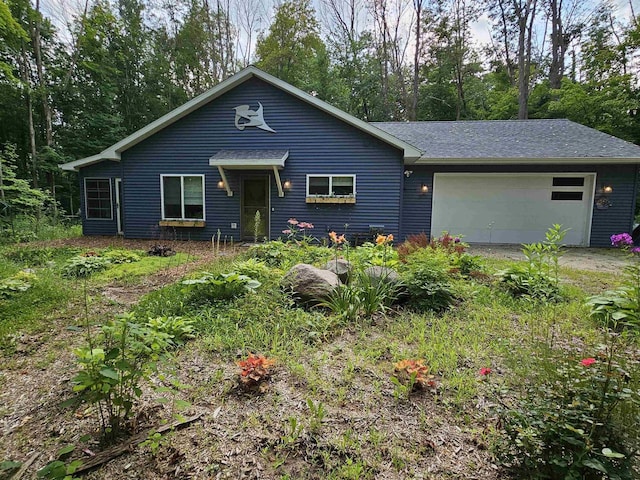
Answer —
237 436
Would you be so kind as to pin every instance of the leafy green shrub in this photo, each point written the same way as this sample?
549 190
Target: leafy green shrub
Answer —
117 257
82 267
619 309
464 264
579 421
224 286
426 279
538 280
178 329
369 254
272 253
520 281
284 255
253 268
112 367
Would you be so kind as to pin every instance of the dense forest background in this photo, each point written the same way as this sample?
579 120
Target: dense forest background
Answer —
77 78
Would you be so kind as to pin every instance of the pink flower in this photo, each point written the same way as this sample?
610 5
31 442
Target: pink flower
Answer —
484 371
292 221
305 225
286 232
621 240
587 361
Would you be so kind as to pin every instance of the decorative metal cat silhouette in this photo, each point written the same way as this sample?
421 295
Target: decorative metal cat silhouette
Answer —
245 117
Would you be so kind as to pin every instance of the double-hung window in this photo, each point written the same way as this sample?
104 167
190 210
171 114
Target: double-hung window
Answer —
98 205
331 185
182 197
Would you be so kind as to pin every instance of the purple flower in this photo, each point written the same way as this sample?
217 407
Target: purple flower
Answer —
621 240
635 250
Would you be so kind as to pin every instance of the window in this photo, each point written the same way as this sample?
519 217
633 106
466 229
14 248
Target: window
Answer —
97 193
568 181
566 196
182 197
331 185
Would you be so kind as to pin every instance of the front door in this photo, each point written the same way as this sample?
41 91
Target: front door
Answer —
255 208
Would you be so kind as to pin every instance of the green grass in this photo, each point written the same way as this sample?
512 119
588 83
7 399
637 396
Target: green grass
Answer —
347 366
30 310
131 272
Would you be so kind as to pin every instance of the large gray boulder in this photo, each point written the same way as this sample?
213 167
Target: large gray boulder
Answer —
382 274
340 267
310 284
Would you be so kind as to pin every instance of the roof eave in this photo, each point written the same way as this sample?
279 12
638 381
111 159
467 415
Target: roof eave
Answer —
85 162
113 152
524 161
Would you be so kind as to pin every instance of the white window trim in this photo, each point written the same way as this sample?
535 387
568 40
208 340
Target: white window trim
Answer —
181 176
86 200
330 177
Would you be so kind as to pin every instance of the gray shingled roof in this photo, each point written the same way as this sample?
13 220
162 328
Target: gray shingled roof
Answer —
249 155
535 139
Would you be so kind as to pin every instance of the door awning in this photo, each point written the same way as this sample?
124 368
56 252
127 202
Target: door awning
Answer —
250 160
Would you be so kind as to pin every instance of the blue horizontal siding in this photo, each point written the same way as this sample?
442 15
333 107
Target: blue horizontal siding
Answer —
416 209
316 141
94 226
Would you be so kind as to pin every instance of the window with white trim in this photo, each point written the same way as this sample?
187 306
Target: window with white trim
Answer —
182 197
97 200
331 185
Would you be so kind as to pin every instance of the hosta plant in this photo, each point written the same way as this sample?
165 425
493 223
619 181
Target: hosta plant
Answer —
84 266
223 286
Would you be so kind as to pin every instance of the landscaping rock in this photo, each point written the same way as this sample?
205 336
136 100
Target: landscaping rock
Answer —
310 284
386 274
340 267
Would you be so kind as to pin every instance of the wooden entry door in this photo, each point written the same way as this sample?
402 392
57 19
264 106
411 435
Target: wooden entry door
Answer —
255 198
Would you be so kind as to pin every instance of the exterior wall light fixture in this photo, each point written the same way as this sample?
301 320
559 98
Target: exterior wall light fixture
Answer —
220 184
424 188
607 189
287 184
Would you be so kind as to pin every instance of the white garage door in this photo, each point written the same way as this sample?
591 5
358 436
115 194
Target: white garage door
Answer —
512 208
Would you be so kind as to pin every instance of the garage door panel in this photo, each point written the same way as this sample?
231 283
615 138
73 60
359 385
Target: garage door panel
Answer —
495 208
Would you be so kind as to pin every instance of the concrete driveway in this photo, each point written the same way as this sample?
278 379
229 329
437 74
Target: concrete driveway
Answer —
580 258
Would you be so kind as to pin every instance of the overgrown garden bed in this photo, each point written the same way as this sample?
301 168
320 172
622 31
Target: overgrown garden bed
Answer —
464 368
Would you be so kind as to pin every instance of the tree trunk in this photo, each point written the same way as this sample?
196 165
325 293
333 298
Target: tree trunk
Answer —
42 83
413 110
24 74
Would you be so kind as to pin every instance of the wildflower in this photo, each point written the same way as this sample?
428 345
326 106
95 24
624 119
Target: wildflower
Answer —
337 239
484 371
292 221
286 232
621 240
587 361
